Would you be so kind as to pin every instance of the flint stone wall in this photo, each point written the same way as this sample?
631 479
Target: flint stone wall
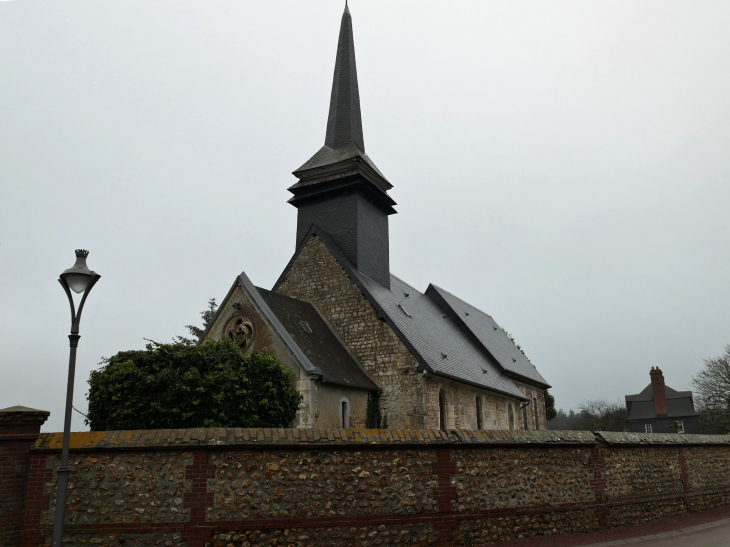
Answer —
311 488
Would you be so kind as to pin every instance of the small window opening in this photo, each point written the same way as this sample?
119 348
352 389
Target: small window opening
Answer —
479 412
647 428
442 412
524 416
345 415
511 417
306 326
680 426
535 414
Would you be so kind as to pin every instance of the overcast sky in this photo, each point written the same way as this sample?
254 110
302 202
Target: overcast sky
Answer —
563 166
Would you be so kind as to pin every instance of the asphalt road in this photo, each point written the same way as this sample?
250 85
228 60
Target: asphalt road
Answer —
703 535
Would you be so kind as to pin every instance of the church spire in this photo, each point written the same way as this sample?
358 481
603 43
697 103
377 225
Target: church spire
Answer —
345 122
340 190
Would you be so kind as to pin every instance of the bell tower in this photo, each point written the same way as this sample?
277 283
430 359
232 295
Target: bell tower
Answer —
340 189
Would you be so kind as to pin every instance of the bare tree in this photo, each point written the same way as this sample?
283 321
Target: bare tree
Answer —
605 416
711 389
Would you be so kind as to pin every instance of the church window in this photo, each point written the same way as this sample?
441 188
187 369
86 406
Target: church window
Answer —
511 417
442 411
345 413
647 428
479 412
240 329
524 415
534 413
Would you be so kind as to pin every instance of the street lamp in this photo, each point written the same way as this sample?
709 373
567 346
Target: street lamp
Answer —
79 279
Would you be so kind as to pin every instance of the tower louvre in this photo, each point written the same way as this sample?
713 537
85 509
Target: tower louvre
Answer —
340 189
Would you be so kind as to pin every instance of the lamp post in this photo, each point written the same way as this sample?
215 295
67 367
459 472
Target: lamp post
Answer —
79 279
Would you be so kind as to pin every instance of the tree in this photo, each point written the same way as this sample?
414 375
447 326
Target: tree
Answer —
373 419
605 416
197 332
571 421
711 389
181 385
550 412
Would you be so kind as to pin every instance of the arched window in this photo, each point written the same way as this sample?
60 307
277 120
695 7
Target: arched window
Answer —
442 411
511 417
535 414
345 413
524 415
479 412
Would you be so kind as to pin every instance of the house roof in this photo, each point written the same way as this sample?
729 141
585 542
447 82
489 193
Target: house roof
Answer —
679 404
317 341
441 345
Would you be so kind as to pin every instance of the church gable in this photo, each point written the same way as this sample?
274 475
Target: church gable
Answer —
315 275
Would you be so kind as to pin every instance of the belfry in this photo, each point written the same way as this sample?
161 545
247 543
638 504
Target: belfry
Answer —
349 329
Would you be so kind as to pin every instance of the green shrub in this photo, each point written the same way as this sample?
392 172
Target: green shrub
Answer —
181 385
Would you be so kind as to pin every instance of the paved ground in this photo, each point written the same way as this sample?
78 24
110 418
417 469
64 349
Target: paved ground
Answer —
712 534
707 529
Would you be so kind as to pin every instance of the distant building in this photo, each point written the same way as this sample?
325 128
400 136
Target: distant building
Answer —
659 407
349 329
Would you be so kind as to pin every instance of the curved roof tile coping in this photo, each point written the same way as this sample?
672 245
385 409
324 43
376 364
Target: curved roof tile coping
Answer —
247 438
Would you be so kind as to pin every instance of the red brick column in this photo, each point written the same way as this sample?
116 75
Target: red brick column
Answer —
598 484
198 531
445 493
20 427
683 477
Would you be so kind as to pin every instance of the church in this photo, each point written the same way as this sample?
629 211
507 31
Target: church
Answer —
350 329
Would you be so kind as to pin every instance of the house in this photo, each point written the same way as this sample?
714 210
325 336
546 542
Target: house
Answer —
660 409
350 329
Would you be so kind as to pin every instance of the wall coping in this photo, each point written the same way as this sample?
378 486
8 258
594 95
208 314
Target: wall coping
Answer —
183 439
625 438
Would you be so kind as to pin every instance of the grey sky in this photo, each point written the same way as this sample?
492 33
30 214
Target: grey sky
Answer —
563 166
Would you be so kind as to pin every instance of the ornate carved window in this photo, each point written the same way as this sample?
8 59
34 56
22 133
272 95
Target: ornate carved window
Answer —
240 329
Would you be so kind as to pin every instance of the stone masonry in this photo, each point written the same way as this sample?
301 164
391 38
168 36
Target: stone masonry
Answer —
318 278
318 487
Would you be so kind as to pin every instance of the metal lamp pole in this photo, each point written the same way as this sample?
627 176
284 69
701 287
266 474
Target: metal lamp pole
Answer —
78 279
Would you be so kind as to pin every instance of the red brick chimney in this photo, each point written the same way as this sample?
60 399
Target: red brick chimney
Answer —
657 386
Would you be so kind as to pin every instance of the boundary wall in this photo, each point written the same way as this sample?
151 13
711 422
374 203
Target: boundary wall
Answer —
314 487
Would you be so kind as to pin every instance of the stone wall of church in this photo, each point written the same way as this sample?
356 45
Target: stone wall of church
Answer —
535 395
318 278
461 406
328 406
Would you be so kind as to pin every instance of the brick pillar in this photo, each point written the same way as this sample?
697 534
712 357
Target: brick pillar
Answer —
20 427
445 493
598 484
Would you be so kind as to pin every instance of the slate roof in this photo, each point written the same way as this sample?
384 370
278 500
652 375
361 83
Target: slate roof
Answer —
679 404
443 346
492 338
321 345
345 121
426 329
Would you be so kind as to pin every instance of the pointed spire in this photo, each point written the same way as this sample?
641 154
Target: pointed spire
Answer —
345 123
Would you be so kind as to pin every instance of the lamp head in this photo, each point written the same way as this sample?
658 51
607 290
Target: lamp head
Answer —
78 276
